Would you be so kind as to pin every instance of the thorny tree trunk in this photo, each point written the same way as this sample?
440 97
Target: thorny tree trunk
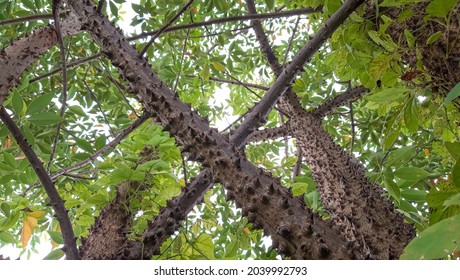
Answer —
358 209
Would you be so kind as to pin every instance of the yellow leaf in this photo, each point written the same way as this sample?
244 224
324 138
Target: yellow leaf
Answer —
21 156
181 182
246 230
347 138
32 222
7 142
26 233
36 214
132 116
427 152
80 50
219 67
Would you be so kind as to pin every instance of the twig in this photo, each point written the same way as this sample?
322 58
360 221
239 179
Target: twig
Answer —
181 61
70 246
235 82
98 106
290 41
352 118
70 65
230 19
163 29
57 26
26 18
298 164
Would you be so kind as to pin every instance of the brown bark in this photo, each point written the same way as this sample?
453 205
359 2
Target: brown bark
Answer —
358 209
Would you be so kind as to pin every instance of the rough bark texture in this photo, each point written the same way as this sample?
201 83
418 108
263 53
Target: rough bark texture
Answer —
21 53
108 235
358 210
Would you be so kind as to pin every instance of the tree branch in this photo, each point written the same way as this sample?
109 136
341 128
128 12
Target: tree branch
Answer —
230 19
70 246
350 95
26 19
21 53
165 27
270 133
57 26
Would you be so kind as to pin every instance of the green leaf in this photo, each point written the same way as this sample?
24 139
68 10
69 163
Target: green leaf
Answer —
204 73
414 195
393 189
454 149
28 4
39 103
433 38
85 145
218 66
17 103
331 6
56 236
45 118
205 245
98 199
55 255
400 156
437 241
456 174
452 201
410 38
411 173
299 188
440 8
7 237
270 4
383 40
410 115
453 93
100 142
387 95
113 9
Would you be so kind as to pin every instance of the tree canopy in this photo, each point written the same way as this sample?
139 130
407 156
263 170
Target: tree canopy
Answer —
329 126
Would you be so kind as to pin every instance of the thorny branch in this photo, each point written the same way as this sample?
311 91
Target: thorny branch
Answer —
70 245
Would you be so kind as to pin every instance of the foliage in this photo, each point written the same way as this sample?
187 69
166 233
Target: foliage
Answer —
405 131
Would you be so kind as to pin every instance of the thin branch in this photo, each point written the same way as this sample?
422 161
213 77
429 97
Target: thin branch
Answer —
286 53
270 133
98 106
184 49
26 18
125 132
352 118
70 246
70 65
163 29
57 26
235 82
298 165
350 95
230 19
